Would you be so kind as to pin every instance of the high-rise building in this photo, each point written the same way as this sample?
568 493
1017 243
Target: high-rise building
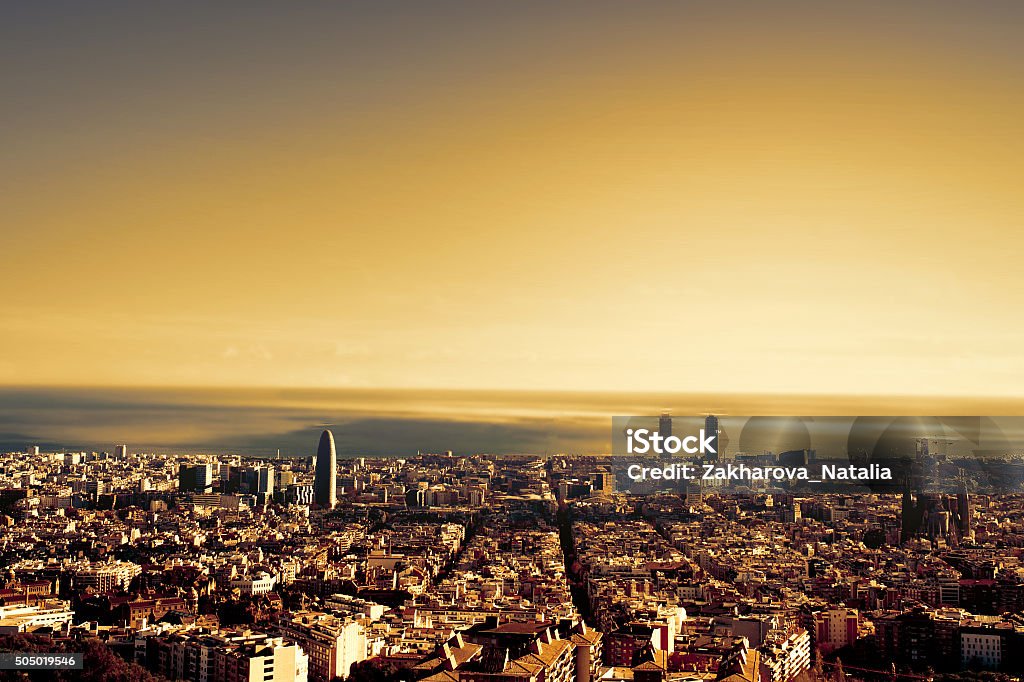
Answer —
695 493
665 431
963 510
251 480
195 478
265 480
120 451
665 425
297 493
711 429
325 483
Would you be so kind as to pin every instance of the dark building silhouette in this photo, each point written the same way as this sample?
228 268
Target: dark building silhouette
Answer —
665 425
797 458
935 515
325 483
665 430
711 428
196 478
963 509
911 513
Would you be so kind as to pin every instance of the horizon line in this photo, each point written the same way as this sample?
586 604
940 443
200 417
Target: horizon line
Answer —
512 390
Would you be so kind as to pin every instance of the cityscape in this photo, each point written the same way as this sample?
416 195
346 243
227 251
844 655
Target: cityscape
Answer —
494 568
534 341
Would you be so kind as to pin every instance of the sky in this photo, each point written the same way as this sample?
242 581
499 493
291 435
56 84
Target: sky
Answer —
603 196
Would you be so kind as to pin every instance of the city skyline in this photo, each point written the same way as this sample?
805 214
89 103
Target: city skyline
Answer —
382 422
576 341
439 568
787 200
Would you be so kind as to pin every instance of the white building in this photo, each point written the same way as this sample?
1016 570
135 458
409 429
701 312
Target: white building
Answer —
343 604
980 647
332 643
249 585
53 614
227 655
55 501
106 576
785 654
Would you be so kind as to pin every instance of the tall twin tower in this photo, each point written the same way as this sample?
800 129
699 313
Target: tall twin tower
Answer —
325 472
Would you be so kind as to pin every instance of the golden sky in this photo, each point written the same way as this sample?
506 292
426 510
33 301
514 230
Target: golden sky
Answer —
751 197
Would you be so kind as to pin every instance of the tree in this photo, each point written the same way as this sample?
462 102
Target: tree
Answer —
839 674
378 670
100 664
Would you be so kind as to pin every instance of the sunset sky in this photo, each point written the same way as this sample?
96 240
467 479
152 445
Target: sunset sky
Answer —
691 196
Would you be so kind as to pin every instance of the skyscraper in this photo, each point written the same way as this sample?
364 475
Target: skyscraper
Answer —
325 483
963 509
665 430
665 425
711 429
195 478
